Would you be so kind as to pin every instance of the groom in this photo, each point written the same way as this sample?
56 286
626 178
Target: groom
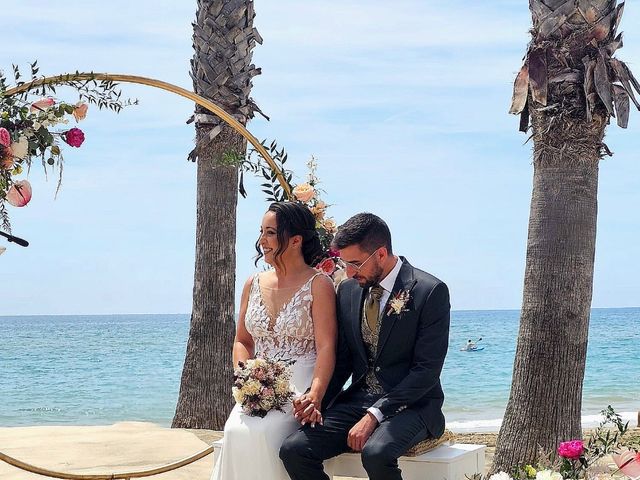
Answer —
393 335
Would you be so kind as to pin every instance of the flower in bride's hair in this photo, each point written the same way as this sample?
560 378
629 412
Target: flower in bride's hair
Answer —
304 192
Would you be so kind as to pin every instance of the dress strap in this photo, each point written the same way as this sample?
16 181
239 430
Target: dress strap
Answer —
310 281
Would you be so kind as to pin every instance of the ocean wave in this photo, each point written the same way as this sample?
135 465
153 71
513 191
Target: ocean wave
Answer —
40 409
493 424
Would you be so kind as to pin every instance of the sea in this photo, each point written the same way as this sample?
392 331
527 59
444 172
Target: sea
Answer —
102 369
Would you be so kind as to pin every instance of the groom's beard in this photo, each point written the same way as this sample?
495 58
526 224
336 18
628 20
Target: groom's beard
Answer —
368 281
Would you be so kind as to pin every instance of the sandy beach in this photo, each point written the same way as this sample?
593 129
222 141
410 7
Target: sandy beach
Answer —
128 446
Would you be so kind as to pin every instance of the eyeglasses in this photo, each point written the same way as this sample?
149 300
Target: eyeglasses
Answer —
357 268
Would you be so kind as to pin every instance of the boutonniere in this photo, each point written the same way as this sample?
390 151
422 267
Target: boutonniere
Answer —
398 303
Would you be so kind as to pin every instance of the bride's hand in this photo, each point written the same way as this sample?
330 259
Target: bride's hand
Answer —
315 417
306 409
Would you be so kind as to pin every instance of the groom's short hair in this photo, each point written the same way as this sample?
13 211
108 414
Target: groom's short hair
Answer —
366 230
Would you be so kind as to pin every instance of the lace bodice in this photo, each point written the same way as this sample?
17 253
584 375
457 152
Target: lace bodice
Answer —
289 335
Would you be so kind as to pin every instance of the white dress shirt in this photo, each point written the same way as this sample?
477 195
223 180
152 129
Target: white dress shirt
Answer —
387 284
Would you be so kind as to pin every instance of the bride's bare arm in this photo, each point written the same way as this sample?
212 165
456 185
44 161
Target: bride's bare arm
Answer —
243 343
323 312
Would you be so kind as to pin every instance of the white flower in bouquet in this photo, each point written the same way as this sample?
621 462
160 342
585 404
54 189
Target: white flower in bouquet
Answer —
257 362
282 386
266 404
251 387
238 396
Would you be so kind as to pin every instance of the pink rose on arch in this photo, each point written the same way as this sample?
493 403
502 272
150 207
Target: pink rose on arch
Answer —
19 194
42 104
571 450
74 137
327 266
5 137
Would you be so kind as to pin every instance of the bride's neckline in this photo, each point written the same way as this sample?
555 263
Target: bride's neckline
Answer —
272 321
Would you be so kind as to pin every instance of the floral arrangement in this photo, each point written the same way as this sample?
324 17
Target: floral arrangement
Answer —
261 385
36 124
309 194
577 459
306 193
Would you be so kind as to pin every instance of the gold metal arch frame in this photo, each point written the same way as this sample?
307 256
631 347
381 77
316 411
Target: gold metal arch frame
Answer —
238 127
110 476
209 105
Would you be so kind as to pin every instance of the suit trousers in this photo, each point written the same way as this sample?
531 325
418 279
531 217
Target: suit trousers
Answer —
304 451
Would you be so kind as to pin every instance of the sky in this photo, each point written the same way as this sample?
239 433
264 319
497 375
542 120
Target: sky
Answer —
403 104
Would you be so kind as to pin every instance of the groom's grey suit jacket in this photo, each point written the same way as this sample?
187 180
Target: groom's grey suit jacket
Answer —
411 349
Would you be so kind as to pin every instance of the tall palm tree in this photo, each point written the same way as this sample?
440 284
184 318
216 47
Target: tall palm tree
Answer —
569 88
221 70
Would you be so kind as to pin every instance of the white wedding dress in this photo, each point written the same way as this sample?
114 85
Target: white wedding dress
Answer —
251 444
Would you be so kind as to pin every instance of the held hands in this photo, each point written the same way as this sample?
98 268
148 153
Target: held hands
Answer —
361 431
306 409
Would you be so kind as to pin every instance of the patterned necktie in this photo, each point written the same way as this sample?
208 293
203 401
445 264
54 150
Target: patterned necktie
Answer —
372 307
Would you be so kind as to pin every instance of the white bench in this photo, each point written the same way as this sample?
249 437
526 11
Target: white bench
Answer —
445 462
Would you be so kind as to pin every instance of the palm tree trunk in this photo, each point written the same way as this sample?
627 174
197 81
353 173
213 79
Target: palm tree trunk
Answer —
546 394
224 37
569 86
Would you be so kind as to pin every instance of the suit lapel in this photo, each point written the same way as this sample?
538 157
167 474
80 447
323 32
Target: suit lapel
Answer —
404 281
357 300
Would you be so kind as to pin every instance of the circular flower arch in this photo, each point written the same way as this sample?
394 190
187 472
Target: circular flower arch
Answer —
208 104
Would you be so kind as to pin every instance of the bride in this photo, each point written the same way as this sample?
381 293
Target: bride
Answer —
287 313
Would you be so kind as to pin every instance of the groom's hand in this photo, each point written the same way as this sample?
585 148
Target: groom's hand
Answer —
306 409
361 431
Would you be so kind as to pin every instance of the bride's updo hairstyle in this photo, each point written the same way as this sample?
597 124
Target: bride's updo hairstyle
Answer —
294 218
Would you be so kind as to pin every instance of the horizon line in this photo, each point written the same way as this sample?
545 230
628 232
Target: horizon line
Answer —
173 313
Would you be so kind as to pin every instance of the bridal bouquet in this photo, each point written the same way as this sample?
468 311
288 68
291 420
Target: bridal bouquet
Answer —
260 385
